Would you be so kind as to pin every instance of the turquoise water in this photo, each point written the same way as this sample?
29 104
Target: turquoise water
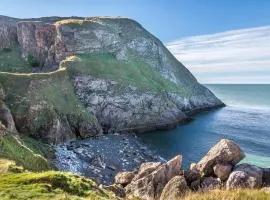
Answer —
246 120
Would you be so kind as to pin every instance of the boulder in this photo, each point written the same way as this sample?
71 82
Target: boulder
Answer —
175 188
266 177
146 168
195 185
192 175
192 166
124 178
150 186
245 176
210 183
222 171
118 190
225 152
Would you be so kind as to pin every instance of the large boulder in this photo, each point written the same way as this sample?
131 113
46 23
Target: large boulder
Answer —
222 171
245 176
124 178
146 168
192 175
210 183
150 186
266 177
175 189
225 152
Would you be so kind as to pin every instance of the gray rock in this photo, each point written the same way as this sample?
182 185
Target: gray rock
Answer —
150 186
210 183
266 177
124 178
224 152
175 189
192 175
245 176
222 171
146 168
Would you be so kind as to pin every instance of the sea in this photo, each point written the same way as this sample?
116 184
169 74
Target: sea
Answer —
245 120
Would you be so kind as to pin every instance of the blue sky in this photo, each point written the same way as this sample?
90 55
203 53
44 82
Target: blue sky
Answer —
174 22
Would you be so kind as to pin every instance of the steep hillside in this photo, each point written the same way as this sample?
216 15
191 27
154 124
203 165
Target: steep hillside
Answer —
93 75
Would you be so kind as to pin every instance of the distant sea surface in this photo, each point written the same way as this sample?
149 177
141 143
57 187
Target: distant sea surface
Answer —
246 120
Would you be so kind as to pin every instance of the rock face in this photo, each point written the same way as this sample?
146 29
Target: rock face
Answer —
224 152
245 176
124 178
150 186
222 171
6 118
175 188
116 106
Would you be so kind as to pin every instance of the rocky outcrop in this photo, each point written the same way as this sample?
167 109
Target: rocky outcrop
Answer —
6 119
222 171
175 188
224 152
150 186
124 178
245 176
116 105
167 182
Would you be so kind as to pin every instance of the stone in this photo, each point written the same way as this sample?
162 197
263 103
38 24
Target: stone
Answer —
146 168
225 152
117 189
222 171
266 177
193 166
210 183
150 186
245 176
175 188
192 175
124 178
195 185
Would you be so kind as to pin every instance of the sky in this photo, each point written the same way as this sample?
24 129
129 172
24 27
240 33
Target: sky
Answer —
220 41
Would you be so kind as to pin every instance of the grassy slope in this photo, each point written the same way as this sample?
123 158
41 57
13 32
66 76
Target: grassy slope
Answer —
134 73
49 185
11 61
27 152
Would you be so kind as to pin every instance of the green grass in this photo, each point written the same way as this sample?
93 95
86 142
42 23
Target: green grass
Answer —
49 185
133 73
11 61
26 152
53 91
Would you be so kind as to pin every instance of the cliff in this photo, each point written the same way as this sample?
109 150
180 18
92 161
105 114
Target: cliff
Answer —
93 75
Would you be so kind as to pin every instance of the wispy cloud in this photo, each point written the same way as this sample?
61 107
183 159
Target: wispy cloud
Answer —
238 56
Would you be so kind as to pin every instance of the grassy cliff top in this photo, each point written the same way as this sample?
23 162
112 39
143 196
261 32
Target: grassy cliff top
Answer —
49 185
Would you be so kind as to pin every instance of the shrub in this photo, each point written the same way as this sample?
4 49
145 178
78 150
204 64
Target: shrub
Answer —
32 61
6 50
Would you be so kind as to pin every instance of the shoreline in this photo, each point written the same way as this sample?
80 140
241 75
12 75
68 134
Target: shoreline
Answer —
102 157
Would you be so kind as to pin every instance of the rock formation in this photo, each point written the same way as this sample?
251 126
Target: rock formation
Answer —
167 182
121 75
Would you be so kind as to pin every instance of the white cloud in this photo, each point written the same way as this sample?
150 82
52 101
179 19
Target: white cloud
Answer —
239 56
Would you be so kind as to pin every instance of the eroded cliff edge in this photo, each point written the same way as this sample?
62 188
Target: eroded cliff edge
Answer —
93 75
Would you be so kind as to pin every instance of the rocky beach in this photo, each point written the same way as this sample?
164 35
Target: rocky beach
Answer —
102 157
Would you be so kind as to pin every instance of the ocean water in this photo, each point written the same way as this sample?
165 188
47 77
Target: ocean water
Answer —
245 119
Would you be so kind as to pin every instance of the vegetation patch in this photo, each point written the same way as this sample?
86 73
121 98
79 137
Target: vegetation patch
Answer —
49 185
134 73
240 194
11 61
26 152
